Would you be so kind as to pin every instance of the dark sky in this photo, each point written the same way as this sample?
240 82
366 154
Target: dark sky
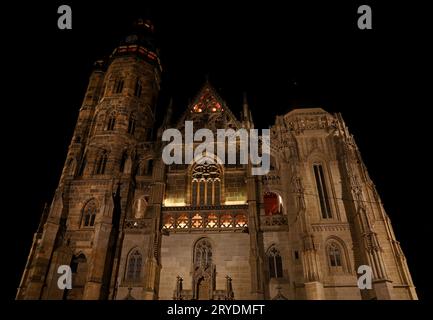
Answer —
284 54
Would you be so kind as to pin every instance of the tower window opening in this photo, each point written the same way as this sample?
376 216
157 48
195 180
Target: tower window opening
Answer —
118 86
131 125
89 214
323 192
138 88
82 166
101 163
123 161
111 123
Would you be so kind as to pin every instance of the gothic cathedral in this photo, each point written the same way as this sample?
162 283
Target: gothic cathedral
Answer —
131 227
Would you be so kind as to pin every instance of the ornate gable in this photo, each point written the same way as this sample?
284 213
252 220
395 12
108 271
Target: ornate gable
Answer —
209 110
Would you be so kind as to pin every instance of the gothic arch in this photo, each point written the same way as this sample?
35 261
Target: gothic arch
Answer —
205 185
145 166
101 160
198 242
203 269
125 166
319 159
134 265
275 261
140 207
270 203
317 156
132 122
337 256
111 120
89 212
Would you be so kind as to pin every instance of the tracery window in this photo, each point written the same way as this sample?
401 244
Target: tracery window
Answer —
101 162
89 214
203 254
275 263
334 255
206 185
134 266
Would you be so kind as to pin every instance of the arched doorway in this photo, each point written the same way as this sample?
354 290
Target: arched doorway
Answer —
203 288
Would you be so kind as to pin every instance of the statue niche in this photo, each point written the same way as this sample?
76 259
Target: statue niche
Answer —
203 271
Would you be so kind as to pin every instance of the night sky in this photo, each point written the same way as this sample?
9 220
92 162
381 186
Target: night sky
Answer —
283 54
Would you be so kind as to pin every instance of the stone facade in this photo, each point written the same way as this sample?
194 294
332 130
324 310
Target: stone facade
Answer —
132 227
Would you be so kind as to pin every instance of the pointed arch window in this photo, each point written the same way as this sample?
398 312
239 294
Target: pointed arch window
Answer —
123 161
118 85
334 255
203 254
275 263
194 192
140 207
273 203
131 124
111 122
138 88
101 163
322 191
206 185
135 262
89 214
82 166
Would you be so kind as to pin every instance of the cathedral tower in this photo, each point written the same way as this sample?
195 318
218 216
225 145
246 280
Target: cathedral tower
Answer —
110 145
